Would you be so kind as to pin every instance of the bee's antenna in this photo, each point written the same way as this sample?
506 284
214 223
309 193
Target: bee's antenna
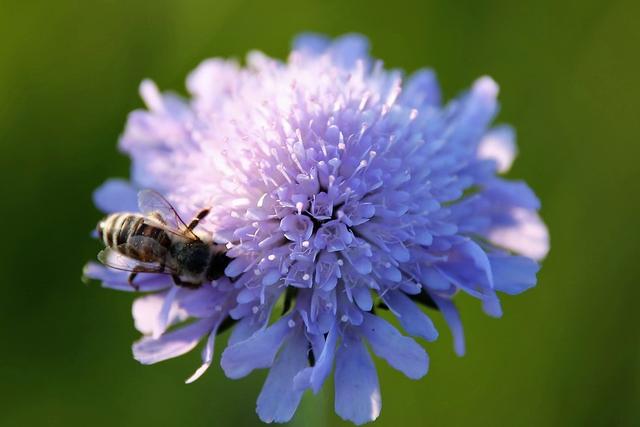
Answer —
199 217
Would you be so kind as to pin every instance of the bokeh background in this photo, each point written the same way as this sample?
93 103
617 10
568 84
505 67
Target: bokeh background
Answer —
565 354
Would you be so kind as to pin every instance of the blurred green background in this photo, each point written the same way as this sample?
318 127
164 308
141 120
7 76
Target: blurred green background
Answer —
566 353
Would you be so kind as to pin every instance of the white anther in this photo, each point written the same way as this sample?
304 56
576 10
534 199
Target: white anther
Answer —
256 272
305 244
344 318
271 257
340 262
255 309
341 146
291 323
299 207
306 277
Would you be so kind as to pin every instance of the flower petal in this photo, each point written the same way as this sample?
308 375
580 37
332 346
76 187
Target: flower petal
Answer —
211 81
491 305
315 376
499 145
279 398
357 393
452 317
245 328
207 357
311 43
165 310
476 110
401 352
412 319
513 274
527 235
503 194
173 344
115 279
467 266
116 195
348 49
204 301
258 351
146 314
421 90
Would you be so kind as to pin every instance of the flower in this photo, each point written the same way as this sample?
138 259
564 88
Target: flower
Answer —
340 189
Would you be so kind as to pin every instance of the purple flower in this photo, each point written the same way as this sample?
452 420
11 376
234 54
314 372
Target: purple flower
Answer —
339 188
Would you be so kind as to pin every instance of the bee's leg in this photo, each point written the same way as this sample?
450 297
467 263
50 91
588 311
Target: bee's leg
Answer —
195 221
132 276
140 269
180 282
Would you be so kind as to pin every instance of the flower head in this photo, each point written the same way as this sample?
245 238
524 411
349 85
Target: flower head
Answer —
339 188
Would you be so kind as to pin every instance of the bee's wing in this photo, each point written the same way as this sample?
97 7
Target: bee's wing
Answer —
154 205
156 221
114 259
144 245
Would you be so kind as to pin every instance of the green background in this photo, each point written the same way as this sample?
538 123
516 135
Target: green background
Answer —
565 353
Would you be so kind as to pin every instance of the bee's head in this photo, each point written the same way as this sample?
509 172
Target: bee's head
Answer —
100 228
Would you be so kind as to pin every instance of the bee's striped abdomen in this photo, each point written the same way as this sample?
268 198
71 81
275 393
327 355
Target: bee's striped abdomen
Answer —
152 232
118 229
127 227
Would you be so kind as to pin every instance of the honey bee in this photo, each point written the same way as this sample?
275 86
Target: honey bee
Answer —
157 240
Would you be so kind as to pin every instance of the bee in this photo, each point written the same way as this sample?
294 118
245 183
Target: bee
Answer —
157 240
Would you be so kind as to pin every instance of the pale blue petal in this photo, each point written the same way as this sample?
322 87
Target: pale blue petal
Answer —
207 357
467 266
173 344
116 279
242 330
452 317
499 145
421 90
362 297
146 314
345 51
324 351
279 397
357 393
501 192
474 113
258 351
348 49
522 232
116 195
412 319
324 363
513 274
311 43
491 305
401 352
